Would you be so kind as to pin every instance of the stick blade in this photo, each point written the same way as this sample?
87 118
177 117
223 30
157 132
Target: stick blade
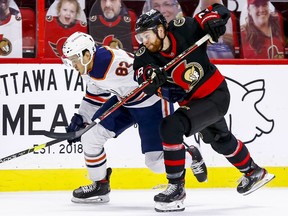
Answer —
54 135
69 135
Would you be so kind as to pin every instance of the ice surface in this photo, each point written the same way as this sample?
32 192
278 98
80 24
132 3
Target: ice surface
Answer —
199 202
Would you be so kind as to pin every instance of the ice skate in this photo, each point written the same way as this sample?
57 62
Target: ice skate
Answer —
252 181
97 192
172 199
198 165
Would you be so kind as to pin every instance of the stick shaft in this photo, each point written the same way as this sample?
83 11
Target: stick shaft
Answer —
30 150
76 134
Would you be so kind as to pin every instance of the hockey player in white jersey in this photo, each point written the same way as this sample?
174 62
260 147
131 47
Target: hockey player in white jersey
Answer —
109 72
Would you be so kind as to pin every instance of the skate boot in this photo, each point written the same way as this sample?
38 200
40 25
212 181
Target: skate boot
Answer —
172 199
97 192
198 165
253 180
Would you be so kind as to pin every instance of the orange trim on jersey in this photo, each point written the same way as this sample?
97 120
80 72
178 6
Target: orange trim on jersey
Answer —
166 108
95 97
141 96
110 24
95 160
206 88
174 162
108 68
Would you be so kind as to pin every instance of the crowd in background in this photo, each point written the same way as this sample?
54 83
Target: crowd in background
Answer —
257 30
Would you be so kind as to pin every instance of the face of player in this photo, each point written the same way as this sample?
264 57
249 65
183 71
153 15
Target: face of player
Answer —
111 8
259 13
168 8
77 64
67 13
150 40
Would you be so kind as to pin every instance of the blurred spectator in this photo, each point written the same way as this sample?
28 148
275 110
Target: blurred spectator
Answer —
224 48
112 24
261 33
169 8
63 18
10 30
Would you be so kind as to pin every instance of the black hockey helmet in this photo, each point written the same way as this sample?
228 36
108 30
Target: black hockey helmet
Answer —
150 20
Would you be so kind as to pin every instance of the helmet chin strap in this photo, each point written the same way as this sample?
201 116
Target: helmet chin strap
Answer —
85 65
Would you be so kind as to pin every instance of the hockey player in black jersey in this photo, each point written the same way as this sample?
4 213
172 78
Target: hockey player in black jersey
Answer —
200 90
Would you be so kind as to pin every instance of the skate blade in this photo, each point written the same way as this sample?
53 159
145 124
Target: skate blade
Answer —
170 207
267 178
97 199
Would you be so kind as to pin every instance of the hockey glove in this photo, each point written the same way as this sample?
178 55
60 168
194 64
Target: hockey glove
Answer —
213 22
75 125
215 28
173 93
158 76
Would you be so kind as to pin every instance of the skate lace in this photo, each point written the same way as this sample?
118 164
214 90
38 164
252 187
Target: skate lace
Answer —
171 188
88 188
197 167
243 181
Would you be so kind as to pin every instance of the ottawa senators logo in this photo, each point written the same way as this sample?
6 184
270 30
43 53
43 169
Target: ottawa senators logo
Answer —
49 18
5 46
140 51
192 74
179 21
57 47
111 41
93 18
187 75
127 19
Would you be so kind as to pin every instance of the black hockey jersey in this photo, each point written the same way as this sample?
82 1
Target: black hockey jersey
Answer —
120 29
194 73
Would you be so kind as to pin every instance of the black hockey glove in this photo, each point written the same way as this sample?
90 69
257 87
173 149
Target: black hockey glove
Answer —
75 125
215 28
158 76
213 20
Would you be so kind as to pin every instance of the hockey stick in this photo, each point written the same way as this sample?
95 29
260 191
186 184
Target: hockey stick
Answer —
76 134
30 150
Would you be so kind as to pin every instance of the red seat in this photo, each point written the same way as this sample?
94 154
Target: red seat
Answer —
28 30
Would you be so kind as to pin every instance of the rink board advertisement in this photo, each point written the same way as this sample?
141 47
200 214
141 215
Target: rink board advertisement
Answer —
45 96
37 97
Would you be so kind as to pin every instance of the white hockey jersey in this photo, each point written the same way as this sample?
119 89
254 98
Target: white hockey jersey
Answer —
112 73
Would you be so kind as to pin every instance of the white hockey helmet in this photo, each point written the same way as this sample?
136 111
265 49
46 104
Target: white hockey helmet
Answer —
75 45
